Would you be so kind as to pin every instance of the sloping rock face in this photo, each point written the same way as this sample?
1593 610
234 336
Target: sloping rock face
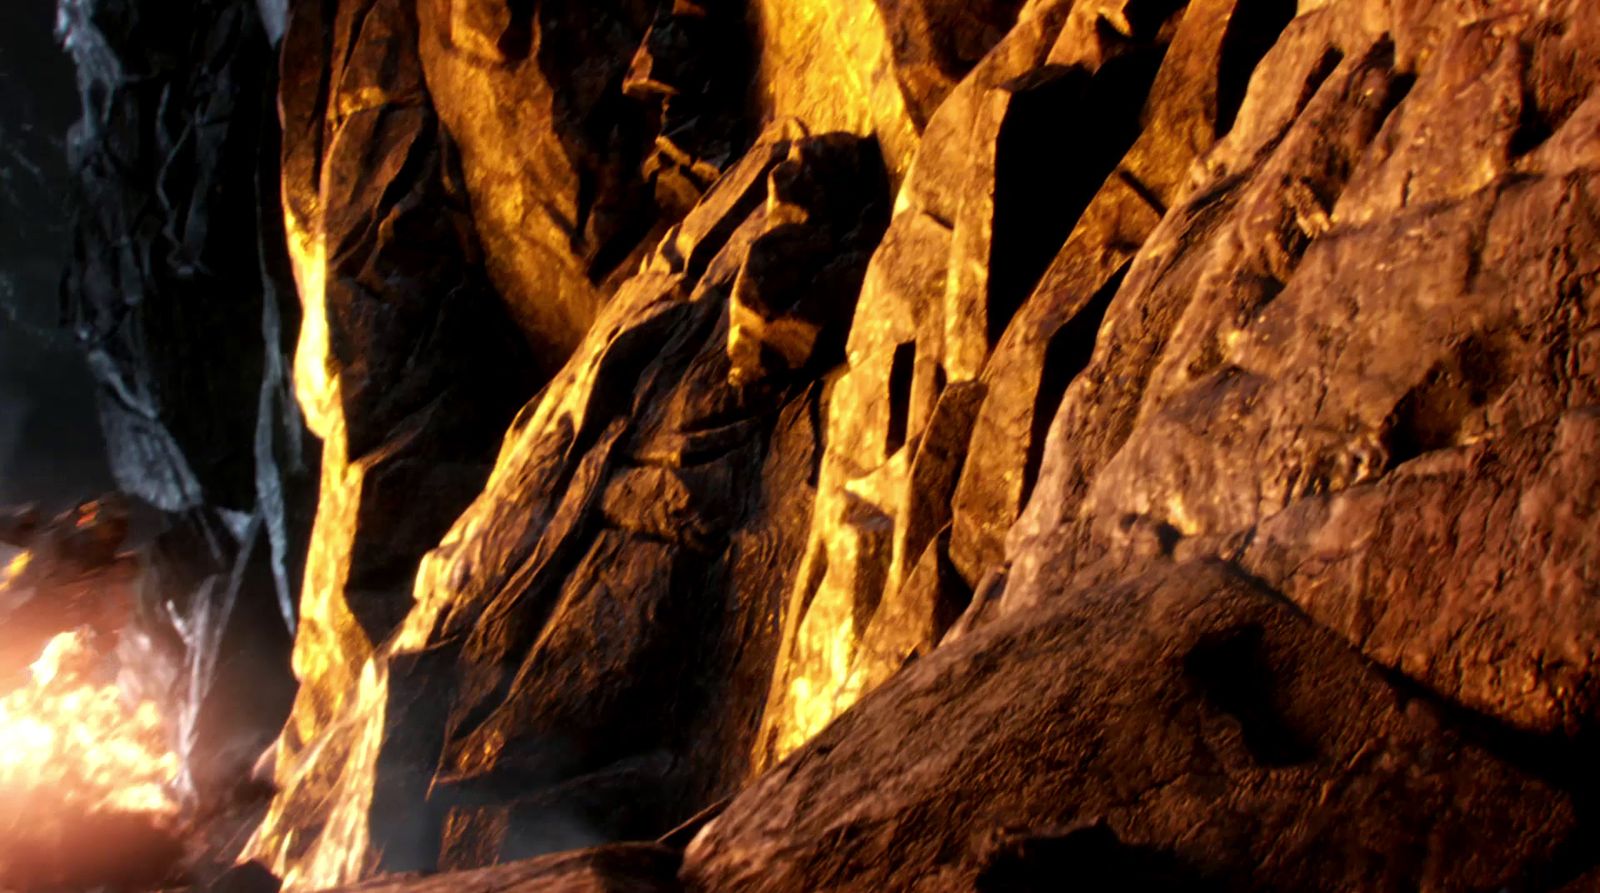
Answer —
407 365
1184 730
956 359
1172 422
587 655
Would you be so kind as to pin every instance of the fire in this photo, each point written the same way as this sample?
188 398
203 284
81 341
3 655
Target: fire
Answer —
70 747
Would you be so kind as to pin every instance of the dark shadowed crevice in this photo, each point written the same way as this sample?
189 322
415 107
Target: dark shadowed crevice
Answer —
1089 858
900 375
1233 675
1536 124
1432 414
517 40
952 596
584 56
1047 174
1399 88
1319 74
1067 355
1252 30
1556 78
1146 18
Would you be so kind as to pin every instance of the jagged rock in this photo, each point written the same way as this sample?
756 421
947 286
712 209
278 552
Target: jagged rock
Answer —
407 366
1367 284
1195 467
589 649
178 294
832 65
936 42
553 150
1466 569
1215 735
950 302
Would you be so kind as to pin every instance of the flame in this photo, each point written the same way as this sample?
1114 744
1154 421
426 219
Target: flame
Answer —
15 568
69 746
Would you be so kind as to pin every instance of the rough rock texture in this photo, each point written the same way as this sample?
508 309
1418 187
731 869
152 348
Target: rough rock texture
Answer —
1185 720
1371 296
407 364
588 651
178 293
559 158
1176 420
954 346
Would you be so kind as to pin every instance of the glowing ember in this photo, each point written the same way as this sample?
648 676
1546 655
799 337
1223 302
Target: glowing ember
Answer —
70 747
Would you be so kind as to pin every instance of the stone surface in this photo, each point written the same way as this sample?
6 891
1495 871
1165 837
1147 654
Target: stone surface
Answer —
1467 570
1184 721
408 366
1010 237
589 647
552 149
1001 446
1369 288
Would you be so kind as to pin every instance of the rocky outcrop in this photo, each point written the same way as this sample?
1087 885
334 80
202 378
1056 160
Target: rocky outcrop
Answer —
1184 729
594 633
1012 238
407 364
1368 288
999 445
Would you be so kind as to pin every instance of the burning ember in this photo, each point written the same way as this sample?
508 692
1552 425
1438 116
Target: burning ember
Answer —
84 779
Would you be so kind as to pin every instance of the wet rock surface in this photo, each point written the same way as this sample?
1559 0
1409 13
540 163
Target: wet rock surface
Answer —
989 446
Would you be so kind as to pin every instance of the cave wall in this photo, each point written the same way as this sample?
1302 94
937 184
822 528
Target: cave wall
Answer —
935 446
177 292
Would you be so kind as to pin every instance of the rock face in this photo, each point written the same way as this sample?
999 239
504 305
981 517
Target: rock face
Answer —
407 364
963 446
178 293
577 638
1185 721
